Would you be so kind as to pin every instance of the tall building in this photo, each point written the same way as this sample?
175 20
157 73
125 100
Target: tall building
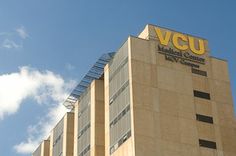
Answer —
89 121
43 149
162 94
62 137
87 101
165 95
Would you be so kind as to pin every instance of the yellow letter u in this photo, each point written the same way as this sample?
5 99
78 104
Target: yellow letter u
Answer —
193 48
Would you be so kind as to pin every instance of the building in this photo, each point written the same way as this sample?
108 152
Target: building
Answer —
161 94
43 149
62 137
89 121
167 96
89 111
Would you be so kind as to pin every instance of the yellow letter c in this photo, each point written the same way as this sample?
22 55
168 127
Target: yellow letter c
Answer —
176 42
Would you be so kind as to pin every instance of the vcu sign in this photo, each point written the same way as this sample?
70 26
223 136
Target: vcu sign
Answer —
180 41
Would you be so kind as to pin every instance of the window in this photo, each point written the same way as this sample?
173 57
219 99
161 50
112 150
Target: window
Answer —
204 118
201 94
206 143
199 72
83 130
57 139
120 142
119 98
120 115
126 84
85 151
83 110
123 63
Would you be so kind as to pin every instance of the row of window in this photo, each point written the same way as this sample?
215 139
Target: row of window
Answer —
120 115
126 84
206 143
84 130
85 151
119 68
57 139
83 110
120 142
203 118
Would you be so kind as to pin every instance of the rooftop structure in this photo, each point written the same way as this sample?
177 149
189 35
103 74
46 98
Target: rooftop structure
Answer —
94 73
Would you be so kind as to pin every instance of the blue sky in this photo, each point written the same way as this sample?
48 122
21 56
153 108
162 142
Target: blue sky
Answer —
46 46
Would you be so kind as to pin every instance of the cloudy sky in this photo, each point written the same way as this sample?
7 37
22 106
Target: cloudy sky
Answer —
46 46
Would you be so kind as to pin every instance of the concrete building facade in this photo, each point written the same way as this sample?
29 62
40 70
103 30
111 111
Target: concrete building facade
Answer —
179 101
162 95
43 149
62 137
89 121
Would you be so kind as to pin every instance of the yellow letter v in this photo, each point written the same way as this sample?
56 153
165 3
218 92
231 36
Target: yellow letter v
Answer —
163 40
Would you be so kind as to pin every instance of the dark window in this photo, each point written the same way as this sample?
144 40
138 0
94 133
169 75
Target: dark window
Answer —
199 72
201 94
206 143
113 98
119 116
204 118
84 130
119 68
85 151
120 142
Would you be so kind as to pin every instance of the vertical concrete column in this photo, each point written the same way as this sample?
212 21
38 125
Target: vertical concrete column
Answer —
68 135
51 144
76 111
97 118
106 93
45 148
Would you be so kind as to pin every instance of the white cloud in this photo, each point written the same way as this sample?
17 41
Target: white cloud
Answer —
43 87
28 82
26 148
9 44
22 32
40 130
8 39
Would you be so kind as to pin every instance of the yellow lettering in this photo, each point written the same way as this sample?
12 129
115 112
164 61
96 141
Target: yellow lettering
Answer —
192 46
163 40
176 41
181 41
